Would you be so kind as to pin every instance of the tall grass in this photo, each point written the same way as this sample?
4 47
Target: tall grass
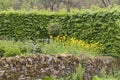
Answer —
64 45
56 45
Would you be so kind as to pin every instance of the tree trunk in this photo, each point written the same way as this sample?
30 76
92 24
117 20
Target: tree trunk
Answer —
118 2
108 1
52 7
103 1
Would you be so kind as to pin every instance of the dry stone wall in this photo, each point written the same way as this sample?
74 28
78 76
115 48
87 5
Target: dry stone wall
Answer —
38 66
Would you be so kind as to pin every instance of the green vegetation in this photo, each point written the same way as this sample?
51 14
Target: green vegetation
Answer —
56 45
93 25
94 31
8 48
115 76
62 44
75 77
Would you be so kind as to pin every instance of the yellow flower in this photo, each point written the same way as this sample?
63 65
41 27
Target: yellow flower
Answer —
72 42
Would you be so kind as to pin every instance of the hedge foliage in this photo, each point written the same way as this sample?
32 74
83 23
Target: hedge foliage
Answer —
93 25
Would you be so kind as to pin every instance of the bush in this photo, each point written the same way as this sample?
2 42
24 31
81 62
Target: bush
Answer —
12 48
12 51
9 48
54 29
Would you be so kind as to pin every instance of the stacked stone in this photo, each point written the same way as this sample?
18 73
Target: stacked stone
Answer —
37 66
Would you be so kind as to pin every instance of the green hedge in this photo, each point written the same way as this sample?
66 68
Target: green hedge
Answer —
93 25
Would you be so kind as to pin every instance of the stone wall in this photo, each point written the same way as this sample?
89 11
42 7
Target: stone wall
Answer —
39 66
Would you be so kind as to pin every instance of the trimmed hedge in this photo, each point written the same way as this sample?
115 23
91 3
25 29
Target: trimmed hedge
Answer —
93 25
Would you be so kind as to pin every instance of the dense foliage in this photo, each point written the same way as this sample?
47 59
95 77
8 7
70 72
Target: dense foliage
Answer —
93 25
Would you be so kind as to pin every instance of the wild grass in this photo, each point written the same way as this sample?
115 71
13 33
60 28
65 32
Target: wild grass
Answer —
56 45
64 45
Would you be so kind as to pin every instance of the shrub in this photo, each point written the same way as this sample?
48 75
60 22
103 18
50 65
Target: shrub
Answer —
9 48
54 29
12 51
12 48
